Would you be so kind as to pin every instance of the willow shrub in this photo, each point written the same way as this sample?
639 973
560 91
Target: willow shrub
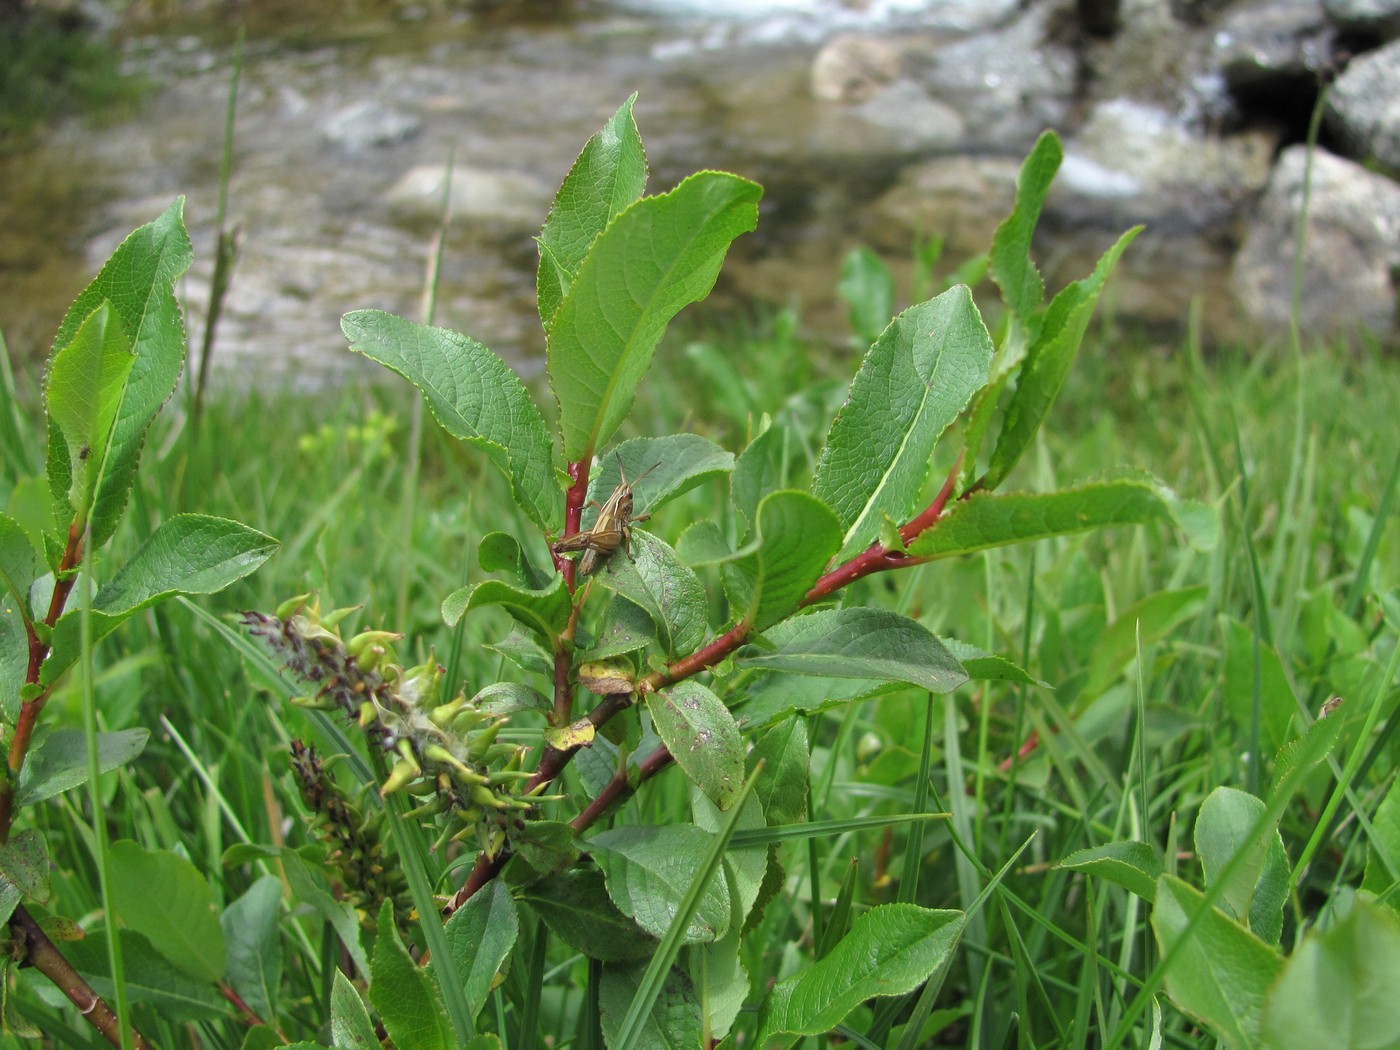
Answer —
621 662
618 661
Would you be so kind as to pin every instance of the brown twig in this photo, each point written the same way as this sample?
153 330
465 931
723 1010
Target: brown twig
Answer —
620 788
29 711
875 558
39 949
49 961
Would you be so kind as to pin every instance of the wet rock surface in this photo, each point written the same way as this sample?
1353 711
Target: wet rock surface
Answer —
874 123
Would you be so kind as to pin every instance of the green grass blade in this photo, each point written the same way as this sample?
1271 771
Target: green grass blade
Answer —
630 1030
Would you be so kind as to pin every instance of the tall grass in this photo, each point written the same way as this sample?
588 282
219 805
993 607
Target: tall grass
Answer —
1151 654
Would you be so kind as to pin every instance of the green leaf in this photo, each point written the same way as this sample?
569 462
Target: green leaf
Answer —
501 552
1133 865
250 926
138 281
648 871
702 543
83 394
798 535
987 520
474 395
261 1037
1147 620
1384 845
1307 751
577 909
521 648
890 950
351 1027
148 977
31 507
982 666
692 903
546 611
187 554
915 380
759 470
546 845
744 866
668 589
608 175
311 889
1048 361
1222 975
860 643
399 989
1277 704
626 628
1010 263
480 935
718 965
1338 989
165 898
674 1020
672 465
24 871
659 255
1259 886
702 737
59 762
868 289
782 787
506 698
20 565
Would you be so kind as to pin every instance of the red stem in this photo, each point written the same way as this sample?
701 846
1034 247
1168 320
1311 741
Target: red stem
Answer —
619 788
564 646
46 958
38 949
552 763
874 558
1022 753
29 711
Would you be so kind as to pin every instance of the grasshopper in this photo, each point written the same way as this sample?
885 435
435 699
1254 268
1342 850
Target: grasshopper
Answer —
612 529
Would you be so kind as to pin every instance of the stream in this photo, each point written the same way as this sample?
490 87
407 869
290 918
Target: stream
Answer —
344 127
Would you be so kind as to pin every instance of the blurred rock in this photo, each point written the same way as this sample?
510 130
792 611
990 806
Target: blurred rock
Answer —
1364 107
1154 58
961 199
1259 43
370 123
774 119
498 200
852 68
1133 163
1008 85
1351 253
1380 18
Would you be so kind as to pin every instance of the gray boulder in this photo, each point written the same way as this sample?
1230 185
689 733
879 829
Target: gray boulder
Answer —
1377 17
506 201
1008 85
1351 252
1364 107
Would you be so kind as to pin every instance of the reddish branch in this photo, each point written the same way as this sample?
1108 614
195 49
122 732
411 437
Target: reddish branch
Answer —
552 763
875 558
39 950
564 644
50 962
64 579
620 787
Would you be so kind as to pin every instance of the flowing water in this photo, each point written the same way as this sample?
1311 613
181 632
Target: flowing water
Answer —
334 111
